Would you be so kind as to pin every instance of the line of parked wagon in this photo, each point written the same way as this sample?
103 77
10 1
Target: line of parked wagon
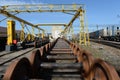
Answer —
111 33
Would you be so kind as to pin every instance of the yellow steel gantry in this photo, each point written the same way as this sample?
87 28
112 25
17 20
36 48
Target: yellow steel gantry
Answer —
33 34
78 8
72 32
87 31
73 19
84 35
10 32
52 24
6 13
42 8
22 34
43 34
82 29
39 33
23 22
28 38
11 36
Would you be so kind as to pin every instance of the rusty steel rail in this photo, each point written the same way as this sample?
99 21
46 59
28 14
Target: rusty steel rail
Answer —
7 57
109 43
13 52
49 63
36 43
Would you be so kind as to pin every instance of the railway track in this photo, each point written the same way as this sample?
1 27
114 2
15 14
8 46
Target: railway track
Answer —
60 60
3 53
6 58
109 43
61 64
11 56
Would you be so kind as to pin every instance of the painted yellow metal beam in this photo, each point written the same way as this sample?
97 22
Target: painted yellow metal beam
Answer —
27 29
22 33
43 34
19 19
82 28
10 32
33 34
45 8
42 8
51 24
73 19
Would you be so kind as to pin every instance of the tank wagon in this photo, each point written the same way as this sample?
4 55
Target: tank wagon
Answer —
111 33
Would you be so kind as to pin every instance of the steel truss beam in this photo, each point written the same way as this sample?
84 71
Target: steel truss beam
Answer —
52 24
42 8
45 8
17 18
73 19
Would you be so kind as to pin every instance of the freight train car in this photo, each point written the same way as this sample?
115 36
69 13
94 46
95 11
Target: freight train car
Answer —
94 34
98 33
111 33
3 37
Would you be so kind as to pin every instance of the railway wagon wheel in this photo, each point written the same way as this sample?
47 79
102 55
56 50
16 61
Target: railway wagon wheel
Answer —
102 71
41 50
43 53
18 70
35 44
87 60
52 44
75 50
35 60
73 47
49 44
70 44
79 54
47 47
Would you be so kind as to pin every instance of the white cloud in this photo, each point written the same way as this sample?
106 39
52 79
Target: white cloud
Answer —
4 2
13 2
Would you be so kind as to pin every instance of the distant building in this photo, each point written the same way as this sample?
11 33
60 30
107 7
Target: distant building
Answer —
56 31
3 32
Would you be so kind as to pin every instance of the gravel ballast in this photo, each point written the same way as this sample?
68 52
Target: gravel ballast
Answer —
107 53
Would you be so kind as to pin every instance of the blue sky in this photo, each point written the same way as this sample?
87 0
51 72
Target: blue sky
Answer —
98 12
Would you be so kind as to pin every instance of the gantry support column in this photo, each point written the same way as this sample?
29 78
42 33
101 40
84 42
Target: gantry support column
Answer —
11 36
82 28
84 35
39 33
72 31
22 34
87 33
33 34
28 35
43 33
